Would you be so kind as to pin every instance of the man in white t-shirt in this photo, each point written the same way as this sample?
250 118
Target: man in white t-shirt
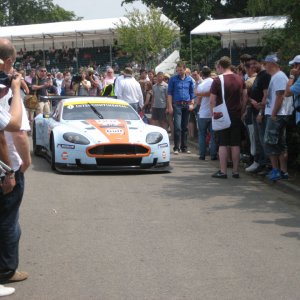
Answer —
276 119
130 90
19 161
204 116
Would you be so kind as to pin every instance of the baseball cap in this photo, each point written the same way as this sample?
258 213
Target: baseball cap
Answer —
272 58
296 60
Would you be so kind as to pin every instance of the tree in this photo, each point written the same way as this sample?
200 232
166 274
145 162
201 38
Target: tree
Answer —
15 12
145 35
190 13
285 42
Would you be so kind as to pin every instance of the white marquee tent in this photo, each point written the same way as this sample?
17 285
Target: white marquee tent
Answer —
84 33
243 31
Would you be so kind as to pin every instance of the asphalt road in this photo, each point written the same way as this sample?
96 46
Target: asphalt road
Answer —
179 235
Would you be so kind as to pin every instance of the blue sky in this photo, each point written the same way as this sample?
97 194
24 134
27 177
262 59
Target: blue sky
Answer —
98 9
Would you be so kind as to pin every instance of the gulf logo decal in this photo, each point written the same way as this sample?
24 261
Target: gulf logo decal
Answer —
116 131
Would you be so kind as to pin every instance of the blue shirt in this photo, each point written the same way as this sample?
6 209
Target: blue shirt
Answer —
295 89
181 89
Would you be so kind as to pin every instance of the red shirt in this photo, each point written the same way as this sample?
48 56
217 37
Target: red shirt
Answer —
233 86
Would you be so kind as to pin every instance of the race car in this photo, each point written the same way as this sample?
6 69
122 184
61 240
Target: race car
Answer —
94 133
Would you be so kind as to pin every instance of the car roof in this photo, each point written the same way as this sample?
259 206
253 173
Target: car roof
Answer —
93 100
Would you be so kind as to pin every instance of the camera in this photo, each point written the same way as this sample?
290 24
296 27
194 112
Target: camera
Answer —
6 79
76 78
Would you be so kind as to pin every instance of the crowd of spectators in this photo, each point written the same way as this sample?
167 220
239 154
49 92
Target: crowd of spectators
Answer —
251 116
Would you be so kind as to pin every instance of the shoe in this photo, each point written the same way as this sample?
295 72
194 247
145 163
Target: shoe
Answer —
235 175
18 276
253 167
274 175
284 175
219 174
201 158
176 152
6 291
214 158
186 151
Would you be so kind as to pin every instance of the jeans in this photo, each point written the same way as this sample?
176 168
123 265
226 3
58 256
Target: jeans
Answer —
10 230
204 126
259 132
181 121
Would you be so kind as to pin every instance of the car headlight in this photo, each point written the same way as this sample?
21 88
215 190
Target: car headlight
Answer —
154 137
75 138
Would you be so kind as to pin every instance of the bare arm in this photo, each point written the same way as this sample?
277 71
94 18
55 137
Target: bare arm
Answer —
212 102
170 104
16 105
25 86
22 146
278 103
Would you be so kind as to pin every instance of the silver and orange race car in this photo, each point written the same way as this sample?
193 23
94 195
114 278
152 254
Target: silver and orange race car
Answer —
90 134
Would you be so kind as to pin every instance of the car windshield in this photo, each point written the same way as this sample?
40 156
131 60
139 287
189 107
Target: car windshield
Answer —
98 111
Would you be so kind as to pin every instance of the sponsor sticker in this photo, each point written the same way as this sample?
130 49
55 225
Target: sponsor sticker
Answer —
114 131
70 106
64 155
108 123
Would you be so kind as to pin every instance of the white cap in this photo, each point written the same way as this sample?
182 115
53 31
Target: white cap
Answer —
296 60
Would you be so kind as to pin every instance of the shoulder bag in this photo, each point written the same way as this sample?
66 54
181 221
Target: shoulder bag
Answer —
220 117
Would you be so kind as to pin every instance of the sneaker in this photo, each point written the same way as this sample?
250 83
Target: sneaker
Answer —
235 175
253 167
186 151
219 174
275 175
18 276
284 175
5 291
176 152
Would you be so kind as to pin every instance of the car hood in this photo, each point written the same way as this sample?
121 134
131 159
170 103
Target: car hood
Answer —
109 131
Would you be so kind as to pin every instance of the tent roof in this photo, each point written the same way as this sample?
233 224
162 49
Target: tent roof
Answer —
32 32
98 29
246 25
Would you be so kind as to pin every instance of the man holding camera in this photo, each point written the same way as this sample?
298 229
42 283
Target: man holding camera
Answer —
40 84
18 158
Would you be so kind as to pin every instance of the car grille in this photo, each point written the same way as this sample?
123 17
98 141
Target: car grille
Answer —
119 150
119 162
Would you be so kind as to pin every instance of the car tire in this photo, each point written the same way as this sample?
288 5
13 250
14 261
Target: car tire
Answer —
36 148
52 159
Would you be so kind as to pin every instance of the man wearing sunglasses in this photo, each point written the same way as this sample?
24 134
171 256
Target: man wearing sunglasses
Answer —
40 84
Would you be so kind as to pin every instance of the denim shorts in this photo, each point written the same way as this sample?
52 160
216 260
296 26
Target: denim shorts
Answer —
275 135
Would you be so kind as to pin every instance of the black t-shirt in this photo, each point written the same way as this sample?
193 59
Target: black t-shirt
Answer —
260 84
40 81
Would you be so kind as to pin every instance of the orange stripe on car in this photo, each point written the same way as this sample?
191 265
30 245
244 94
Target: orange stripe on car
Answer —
116 131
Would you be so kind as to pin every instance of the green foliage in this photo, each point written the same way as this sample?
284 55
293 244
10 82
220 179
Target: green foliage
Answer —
203 48
145 35
14 12
190 13
286 42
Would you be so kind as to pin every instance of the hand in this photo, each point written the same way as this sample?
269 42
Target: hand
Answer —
170 110
191 107
254 104
8 184
294 72
259 119
16 81
274 118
